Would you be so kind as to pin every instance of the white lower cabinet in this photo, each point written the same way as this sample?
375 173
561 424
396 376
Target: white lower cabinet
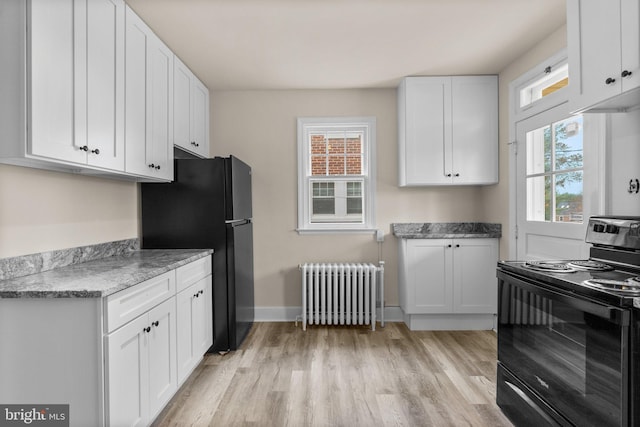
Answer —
194 325
142 374
114 360
448 283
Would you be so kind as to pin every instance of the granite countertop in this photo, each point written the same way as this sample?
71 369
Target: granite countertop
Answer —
446 230
100 277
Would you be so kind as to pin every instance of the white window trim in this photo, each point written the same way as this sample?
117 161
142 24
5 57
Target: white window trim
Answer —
598 129
305 226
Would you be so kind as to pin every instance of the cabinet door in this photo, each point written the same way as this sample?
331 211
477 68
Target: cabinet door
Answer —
105 83
136 129
160 100
54 39
594 48
474 275
163 378
149 102
474 151
427 131
185 341
200 118
202 339
630 39
428 276
195 334
181 104
128 374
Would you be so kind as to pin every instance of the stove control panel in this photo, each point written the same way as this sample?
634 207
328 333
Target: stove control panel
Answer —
619 232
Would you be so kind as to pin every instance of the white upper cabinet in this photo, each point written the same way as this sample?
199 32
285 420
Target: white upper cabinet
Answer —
149 102
603 39
191 111
74 77
448 130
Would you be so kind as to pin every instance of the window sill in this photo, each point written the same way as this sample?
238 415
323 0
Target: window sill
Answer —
303 231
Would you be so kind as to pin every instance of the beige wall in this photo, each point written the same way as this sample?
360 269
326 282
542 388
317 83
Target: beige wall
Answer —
496 198
42 211
260 128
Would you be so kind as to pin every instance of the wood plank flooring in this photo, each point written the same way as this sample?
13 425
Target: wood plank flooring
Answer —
344 376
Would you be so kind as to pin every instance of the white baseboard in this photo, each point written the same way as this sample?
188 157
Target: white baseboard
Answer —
289 314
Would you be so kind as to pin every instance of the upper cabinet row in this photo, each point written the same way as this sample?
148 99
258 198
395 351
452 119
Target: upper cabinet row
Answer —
448 130
87 87
603 41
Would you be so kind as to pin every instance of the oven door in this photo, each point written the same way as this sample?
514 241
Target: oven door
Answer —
570 354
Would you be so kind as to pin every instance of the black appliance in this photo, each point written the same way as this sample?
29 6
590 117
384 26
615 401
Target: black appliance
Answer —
569 333
208 205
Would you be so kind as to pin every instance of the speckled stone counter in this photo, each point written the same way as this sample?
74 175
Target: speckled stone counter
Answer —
446 230
99 277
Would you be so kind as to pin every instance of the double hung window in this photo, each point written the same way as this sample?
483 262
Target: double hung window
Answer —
336 179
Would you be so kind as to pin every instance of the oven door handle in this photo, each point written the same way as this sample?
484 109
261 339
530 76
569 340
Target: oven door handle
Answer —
615 315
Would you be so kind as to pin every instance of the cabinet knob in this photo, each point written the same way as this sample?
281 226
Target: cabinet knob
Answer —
96 151
201 292
448 175
147 329
626 73
197 294
195 143
457 174
84 148
152 166
457 246
448 246
158 167
610 81
156 323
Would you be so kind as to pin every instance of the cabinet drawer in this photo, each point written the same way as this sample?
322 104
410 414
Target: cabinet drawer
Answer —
189 274
126 305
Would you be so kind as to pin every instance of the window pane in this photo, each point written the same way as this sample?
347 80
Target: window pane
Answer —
354 205
552 80
323 202
568 143
354 189
318 165
539 150
539 198
324 206
336 165
569 197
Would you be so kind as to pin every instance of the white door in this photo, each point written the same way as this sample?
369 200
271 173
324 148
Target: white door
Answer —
105 83
473 158
474 275
200 119
428 130
160 103
185 340
54 43
162 355
557 180
181 105
128 374
429 281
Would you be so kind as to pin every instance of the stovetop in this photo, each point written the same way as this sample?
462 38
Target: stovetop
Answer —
612 272
589 283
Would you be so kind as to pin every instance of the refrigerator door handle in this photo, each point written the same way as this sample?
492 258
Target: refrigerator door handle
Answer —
237 222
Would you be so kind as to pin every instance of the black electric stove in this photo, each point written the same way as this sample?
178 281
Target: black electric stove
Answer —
569 333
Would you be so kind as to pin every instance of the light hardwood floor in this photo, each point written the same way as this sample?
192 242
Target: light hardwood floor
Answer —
344 376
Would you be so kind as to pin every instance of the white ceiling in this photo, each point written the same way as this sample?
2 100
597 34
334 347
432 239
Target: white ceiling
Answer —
326 44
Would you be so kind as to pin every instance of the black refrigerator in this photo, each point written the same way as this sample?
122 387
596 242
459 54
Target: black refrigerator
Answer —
208 205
